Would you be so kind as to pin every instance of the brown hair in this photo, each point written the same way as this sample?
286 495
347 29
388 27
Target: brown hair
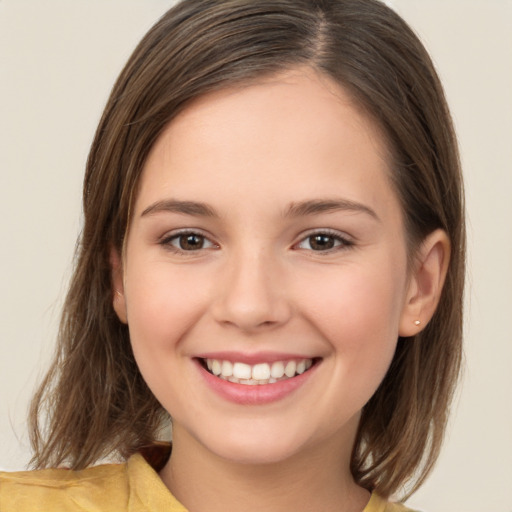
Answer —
94 397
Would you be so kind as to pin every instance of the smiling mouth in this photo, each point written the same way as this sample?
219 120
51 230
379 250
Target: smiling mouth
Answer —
257 374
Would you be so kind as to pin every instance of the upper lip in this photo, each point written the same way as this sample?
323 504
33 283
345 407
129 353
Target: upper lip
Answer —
253 358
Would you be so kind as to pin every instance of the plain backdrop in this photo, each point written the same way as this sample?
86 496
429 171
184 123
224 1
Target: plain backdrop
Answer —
58 61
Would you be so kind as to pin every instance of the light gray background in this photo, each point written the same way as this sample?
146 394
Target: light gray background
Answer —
58 60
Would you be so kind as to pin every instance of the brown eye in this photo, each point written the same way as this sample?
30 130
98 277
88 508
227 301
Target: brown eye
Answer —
191 242
324 241
321 242
187 242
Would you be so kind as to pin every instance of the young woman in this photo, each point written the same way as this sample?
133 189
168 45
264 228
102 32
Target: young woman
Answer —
273 258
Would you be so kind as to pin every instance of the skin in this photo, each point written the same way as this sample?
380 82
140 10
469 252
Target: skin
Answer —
256 284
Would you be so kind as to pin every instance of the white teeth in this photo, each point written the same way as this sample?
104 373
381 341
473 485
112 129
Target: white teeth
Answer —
242 371
227 368
261 373
290 368
216 367
277 370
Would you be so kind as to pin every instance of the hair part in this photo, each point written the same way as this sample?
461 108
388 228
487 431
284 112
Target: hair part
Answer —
93 400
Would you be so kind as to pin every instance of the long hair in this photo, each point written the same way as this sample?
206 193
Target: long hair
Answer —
93 401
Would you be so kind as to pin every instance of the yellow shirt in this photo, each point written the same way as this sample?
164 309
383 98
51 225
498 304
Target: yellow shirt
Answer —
130 487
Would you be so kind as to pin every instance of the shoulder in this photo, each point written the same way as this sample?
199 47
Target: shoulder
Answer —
378 504
104 487
397 507
133 485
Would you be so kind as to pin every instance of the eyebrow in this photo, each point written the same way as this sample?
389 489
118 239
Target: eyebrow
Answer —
295 209
184 207
317 206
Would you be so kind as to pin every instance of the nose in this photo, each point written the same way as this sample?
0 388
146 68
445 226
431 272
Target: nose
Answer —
251 294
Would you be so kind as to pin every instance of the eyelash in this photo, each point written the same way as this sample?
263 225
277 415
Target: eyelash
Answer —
167 241
339 242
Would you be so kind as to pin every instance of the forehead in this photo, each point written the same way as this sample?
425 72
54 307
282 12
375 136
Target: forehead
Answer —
293 134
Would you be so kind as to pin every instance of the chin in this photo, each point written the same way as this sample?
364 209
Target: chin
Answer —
257 448
256 455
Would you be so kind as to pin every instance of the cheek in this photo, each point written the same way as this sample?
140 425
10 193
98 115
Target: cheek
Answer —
357 312
357 301
162 304
163 307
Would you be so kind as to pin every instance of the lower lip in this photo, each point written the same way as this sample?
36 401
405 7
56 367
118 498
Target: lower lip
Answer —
258 394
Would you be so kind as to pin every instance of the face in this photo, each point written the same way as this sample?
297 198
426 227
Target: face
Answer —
264 280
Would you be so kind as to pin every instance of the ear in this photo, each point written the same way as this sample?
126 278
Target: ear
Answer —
118 299
426 283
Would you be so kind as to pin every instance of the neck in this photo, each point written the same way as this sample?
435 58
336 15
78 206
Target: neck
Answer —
317 480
